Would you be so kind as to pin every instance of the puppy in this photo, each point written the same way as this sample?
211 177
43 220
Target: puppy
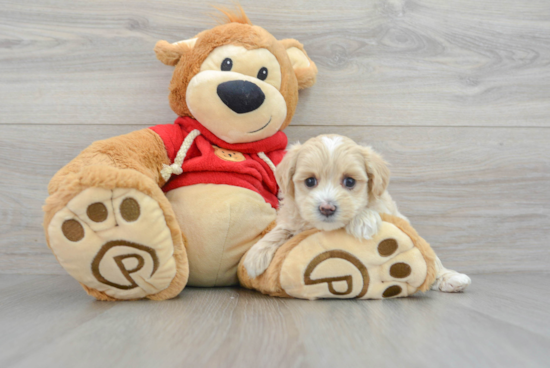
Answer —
328 183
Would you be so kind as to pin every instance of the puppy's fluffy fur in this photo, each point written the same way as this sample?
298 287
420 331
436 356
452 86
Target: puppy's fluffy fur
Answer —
349 192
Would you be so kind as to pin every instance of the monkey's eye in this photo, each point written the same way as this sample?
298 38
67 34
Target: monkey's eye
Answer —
227 64
311 182
348 182
262 74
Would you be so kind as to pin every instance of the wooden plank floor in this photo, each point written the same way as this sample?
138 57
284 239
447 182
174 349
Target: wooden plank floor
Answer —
503 320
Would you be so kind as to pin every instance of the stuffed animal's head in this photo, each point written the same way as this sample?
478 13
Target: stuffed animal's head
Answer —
236 79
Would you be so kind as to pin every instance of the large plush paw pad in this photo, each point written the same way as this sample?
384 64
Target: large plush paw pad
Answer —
114 241
337 265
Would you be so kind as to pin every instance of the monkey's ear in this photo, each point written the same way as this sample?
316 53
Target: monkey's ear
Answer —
304 68
171 53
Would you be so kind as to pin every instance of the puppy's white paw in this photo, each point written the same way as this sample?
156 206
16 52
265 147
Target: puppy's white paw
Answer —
365 225
452 283
258 259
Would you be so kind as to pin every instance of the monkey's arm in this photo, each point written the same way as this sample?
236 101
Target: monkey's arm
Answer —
142 150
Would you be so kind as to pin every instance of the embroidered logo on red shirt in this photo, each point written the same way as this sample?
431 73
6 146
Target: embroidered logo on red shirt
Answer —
228 155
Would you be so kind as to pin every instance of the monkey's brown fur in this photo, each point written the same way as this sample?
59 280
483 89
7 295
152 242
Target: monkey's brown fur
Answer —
134 160
239 32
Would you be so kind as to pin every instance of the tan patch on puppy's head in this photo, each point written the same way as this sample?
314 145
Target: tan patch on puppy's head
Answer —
237 79
377 170
286 169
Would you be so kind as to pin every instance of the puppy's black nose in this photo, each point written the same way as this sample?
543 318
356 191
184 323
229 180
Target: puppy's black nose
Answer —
241 96
327 210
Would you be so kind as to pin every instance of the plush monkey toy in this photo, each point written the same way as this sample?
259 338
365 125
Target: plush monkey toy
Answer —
145 214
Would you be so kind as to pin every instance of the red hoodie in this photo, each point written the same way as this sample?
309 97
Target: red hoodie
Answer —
211 160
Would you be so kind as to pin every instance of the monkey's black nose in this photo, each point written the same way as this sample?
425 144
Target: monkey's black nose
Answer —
327 209
241 96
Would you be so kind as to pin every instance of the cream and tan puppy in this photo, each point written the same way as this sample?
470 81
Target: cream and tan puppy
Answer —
328 183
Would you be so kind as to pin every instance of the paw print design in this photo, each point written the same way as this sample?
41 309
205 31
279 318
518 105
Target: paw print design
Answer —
336 265
228 155
115 241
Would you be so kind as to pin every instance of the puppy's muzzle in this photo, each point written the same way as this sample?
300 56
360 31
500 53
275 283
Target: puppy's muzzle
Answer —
241 96
327 209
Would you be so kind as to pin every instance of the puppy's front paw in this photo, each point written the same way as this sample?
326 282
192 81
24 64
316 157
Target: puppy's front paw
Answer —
258 259
365 225
452 283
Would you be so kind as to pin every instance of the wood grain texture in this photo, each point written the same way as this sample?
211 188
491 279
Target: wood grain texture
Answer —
502 321
384 62
478 195
456 95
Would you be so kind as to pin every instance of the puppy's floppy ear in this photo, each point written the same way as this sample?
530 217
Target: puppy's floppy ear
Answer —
304 68
286 169
171 53
377 171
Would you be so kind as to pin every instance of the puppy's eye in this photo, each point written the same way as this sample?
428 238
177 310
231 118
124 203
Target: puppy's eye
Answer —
227 64
262 74
349 182
311 182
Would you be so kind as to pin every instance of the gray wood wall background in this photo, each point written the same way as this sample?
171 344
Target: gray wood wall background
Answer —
455 94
